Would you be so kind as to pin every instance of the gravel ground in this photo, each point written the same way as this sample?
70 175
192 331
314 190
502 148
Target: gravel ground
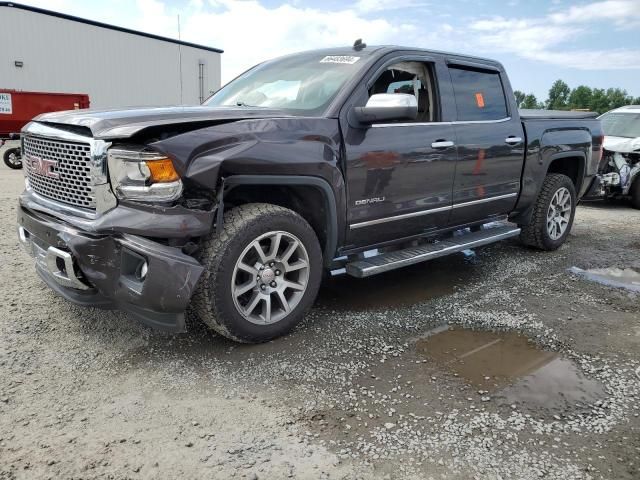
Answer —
91 394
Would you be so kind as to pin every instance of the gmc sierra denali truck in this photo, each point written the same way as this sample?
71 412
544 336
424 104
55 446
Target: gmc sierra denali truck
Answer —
234 209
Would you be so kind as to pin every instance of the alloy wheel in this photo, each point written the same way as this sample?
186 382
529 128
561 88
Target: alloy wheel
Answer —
559 213
270 277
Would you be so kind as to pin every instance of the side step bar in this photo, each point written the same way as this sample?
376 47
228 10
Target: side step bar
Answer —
402 258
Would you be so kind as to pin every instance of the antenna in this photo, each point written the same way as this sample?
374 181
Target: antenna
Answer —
180 59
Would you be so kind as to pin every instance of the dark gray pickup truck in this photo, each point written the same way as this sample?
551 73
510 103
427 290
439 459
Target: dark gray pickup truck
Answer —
233 210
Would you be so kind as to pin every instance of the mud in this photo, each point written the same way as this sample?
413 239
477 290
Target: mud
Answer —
407 286
626 278
510 367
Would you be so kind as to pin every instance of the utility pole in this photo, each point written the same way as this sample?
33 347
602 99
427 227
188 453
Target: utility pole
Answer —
180 60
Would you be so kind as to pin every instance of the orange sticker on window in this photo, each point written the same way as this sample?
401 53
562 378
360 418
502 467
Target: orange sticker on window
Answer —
479 100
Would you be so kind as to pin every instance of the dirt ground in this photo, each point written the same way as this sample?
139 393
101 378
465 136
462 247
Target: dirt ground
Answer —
366 387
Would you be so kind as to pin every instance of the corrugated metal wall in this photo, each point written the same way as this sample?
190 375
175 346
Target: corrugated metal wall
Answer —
116 69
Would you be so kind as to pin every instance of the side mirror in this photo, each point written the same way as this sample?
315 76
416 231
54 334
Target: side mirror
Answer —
388 106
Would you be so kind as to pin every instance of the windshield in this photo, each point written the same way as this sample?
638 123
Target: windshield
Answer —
621 124
303 84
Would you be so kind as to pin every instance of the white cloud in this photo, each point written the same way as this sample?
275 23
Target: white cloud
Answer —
251 32
55 5
592 59
623 13
546 38
381 5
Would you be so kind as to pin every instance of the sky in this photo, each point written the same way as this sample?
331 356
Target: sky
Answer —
594 43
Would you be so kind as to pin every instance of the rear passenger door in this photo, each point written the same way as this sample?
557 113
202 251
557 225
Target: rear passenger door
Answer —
490 143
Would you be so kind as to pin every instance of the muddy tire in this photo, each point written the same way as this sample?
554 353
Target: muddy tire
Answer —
553 214
635 193
262 273
11 158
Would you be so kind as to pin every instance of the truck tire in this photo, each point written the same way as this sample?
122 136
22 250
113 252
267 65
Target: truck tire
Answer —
11 158
635 193
553 214
262 273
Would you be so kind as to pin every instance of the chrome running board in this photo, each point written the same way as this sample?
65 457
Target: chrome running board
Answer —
402 258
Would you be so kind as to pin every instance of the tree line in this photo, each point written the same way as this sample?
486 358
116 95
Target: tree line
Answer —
561 97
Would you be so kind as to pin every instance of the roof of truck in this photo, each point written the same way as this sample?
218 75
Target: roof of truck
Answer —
380 50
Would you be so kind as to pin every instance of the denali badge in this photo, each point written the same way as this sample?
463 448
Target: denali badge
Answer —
42 166
369 201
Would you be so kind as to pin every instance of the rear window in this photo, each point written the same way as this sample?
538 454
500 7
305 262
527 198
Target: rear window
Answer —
479 94
618 124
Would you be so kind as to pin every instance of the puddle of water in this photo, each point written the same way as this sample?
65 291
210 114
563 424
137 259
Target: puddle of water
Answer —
626 278
406 286
509 367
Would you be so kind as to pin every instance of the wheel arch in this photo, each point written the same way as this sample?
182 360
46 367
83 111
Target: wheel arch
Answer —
296 192
572 164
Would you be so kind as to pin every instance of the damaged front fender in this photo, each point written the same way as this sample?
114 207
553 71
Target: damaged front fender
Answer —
270 146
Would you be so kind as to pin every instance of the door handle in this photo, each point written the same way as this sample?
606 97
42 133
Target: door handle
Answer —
442 144
513 140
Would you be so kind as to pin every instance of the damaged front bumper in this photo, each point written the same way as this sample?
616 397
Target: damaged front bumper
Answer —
150 280
619 168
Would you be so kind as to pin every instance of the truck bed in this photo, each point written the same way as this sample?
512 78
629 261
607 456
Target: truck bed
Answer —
530 114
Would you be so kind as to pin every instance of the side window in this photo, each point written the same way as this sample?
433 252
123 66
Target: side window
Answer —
479 94
413 78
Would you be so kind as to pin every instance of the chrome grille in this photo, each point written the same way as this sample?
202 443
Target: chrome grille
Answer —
73 183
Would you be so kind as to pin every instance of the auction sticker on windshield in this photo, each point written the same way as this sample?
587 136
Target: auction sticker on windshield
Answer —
340 59
5 103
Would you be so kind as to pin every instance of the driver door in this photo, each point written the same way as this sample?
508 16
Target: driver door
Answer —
400 173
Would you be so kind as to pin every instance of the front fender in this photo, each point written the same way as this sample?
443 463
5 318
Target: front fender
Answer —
282 151
273 146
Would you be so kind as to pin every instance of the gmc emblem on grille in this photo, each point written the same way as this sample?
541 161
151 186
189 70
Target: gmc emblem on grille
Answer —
42 166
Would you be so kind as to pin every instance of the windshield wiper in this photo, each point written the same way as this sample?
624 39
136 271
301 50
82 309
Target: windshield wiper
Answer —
240 103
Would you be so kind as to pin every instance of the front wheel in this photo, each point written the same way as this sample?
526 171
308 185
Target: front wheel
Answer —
262 273
553 214
12 158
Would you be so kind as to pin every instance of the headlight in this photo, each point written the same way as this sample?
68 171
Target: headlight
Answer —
143 175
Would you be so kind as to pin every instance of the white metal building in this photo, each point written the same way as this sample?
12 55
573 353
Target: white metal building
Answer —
47 51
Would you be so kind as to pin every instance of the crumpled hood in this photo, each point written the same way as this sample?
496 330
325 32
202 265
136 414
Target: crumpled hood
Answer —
621 144
124 123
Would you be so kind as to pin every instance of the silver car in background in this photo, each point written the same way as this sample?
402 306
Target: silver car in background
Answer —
620 166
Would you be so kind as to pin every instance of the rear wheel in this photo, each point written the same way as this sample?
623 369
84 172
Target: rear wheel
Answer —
553 214
262 273
12 158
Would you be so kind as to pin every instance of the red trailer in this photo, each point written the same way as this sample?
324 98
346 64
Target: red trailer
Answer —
18 107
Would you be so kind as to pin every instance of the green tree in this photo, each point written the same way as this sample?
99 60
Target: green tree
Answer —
599 101
618 97
558 96
519 97
561 97
580 97
530 101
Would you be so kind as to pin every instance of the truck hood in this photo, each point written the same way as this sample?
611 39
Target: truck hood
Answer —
124 123
621 144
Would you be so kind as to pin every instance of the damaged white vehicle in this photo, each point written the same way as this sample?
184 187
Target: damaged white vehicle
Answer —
620 166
